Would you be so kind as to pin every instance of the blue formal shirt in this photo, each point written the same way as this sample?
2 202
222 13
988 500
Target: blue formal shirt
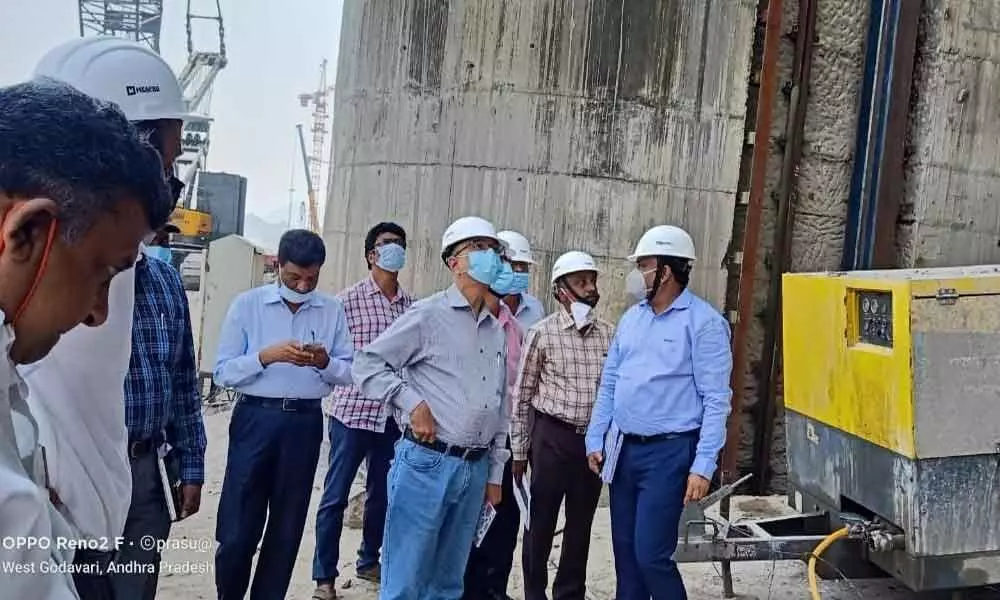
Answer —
259 318
529 311
668 373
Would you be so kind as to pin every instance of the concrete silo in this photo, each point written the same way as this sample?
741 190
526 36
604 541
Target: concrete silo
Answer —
577 122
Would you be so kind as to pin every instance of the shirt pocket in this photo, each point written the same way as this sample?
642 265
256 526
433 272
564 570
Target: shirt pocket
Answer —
673 353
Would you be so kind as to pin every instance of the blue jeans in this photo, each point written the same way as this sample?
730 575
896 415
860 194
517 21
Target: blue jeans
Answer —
434 505
647 498
348 447
269 471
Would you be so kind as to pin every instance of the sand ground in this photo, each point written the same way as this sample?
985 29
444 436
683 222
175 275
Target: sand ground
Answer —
189 576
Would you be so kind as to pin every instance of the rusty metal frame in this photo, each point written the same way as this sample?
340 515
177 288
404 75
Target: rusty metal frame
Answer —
766 407
751 238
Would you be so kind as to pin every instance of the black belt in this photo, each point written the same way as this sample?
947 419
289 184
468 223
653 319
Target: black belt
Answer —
577 429
284 404
661 437
138 448
469 454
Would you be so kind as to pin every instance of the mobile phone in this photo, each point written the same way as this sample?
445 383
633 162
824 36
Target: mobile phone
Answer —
314 347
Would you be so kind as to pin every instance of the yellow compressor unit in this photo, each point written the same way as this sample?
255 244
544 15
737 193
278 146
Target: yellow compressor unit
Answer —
892 413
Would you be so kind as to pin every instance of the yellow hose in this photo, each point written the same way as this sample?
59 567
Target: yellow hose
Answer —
820 549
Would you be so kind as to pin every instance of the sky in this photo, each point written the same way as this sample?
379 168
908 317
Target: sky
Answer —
274 50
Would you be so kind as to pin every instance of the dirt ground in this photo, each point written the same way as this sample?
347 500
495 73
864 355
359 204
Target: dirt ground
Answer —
188 559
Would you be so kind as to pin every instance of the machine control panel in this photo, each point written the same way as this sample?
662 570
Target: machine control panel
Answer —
874 317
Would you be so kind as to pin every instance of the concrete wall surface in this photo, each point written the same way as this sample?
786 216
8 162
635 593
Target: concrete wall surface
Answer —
951 212
579 123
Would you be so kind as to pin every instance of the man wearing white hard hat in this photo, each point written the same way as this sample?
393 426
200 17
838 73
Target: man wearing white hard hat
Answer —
490 564
660 417
560 370
453 408
88 447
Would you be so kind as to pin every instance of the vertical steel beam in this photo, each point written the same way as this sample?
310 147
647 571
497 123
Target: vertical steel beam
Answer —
748 261
876 189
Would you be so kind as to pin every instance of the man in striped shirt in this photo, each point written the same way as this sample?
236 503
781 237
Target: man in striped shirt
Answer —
360 428
558 376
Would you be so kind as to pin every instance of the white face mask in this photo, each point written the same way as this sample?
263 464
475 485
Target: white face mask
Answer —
582 314
635 284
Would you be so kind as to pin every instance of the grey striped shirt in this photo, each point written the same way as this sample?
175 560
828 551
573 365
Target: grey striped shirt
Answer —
455 361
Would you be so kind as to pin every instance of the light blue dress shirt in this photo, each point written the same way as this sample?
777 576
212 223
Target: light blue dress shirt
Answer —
529 311
259 318
454 360
668 373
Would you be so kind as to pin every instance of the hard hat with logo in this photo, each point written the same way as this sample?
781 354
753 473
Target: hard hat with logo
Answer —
573 261
664 240
518 247
127 73
467 228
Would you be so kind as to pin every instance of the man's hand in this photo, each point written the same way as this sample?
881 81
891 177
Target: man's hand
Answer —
285 352
697 488
594 460
318 356
190 499
494 494
422 423
518 469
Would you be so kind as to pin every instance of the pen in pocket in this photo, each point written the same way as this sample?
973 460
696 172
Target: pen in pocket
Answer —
163 321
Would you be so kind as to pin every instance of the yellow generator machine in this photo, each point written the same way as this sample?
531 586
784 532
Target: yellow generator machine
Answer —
892 414
193 224
892 427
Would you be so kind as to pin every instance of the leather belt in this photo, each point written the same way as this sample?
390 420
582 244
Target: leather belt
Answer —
577 429
661 437
469 454
284 404
138 448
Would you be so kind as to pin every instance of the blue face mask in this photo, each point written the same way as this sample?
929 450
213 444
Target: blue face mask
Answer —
504 284
293 296
158 252
391 257
484 266
521 283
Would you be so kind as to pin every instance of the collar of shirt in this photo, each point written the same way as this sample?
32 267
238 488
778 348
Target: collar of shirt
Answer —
372 289
272 296
681 302
456 299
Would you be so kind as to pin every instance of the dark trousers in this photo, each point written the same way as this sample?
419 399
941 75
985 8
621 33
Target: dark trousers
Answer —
348 447
489 565
559 471
90 576
147 518
647 498
269 471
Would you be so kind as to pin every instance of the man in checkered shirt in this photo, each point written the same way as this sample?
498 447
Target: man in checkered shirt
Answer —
360 428
561 362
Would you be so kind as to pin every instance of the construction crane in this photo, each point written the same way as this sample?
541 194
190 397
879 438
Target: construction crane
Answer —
197 79
141 21
310 184
314 162
138 20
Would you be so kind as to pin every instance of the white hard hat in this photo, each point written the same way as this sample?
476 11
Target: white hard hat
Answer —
518 248
664 240
116 70
467 228
573 261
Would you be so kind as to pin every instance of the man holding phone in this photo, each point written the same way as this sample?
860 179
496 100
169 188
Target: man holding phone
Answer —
283 346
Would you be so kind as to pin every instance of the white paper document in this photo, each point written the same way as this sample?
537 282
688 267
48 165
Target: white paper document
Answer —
522 494
485 520
612 448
